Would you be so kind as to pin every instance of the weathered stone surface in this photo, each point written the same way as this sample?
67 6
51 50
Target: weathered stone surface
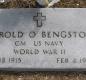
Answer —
38 39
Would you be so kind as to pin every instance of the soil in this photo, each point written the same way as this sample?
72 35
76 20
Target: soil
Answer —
43 76
34 4
70 4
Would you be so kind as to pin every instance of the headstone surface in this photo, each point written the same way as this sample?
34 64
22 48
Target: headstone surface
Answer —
43 39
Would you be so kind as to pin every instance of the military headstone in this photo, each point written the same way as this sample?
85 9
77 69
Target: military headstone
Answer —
43 39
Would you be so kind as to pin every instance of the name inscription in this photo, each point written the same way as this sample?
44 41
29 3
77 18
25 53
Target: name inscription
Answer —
44 34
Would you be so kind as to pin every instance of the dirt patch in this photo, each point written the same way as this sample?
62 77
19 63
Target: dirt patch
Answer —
18 4
70 4
43 76
33 4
